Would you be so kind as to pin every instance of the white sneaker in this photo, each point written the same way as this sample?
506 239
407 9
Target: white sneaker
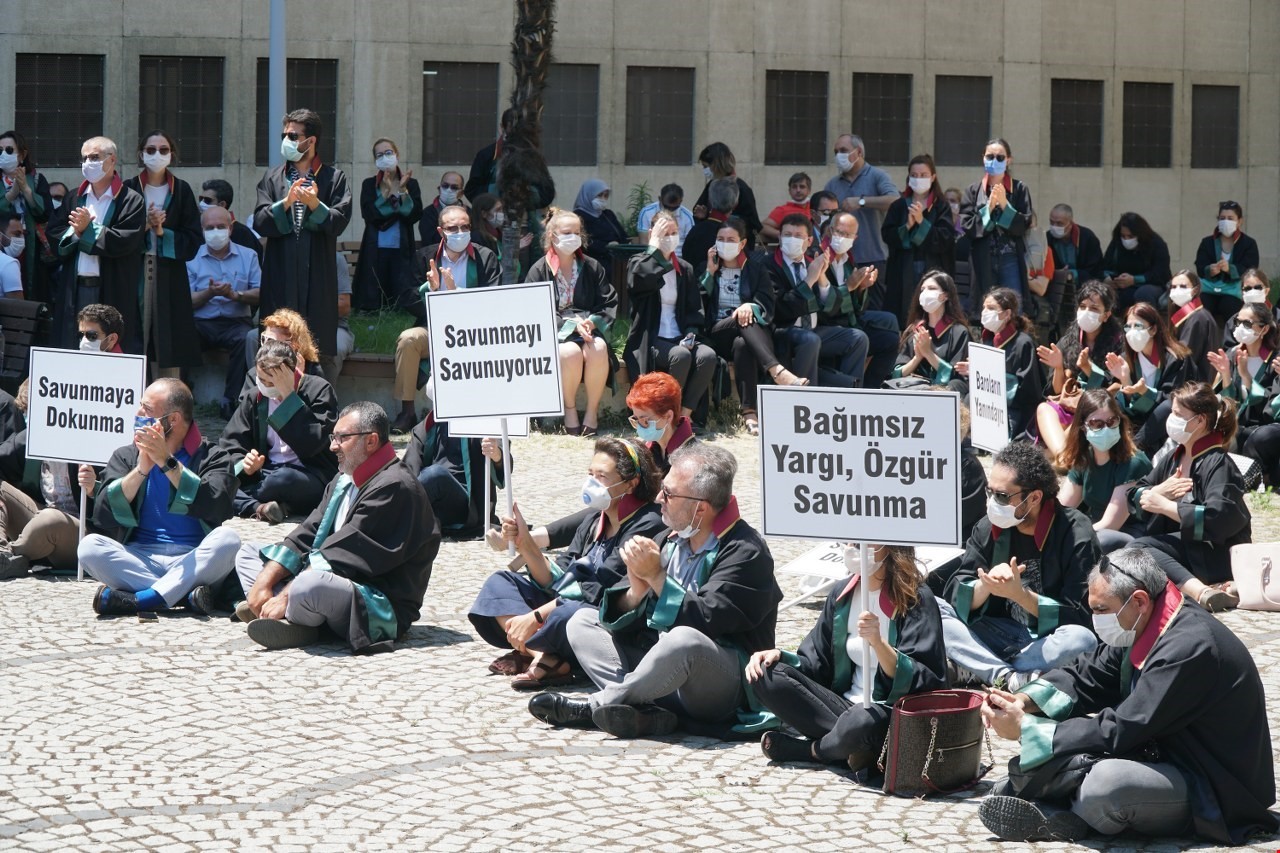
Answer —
1015 681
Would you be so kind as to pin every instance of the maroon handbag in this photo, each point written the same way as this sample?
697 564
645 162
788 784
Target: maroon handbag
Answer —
934 744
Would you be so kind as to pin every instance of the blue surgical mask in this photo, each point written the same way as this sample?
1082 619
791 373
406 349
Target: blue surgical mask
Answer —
459 241
652 432
142 421
1103 439
994 167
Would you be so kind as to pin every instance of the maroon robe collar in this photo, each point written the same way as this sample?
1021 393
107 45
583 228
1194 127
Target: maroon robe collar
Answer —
1166 606
381 457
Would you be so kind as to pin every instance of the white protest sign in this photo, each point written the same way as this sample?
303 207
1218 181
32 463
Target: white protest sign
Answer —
494 352
81 405
824 561
861 465
988 405
487 427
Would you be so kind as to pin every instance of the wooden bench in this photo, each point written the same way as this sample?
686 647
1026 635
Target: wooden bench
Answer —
25 324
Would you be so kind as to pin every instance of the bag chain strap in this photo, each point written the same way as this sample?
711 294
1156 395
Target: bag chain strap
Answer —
933 739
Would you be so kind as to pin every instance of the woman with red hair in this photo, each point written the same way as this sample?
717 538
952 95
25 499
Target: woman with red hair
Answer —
654 401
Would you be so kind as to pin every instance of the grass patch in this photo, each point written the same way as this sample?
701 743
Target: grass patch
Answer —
376 331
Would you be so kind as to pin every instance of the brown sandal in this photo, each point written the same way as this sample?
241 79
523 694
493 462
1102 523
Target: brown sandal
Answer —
1219 597
557 674
751 421
512 663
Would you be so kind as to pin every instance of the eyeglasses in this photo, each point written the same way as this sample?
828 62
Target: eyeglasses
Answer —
9 149
208 199
1096 423
387 153
454 187
667 495
95 158
999 157
1137 327
288 134
636 422
455 229
151 149
1002 498
340 437
91 336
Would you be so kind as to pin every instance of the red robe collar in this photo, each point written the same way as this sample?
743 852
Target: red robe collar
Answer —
553 259
191 441
717 216
726 518
1203 444
1004 179
1185 311
628 506
1044 522
679 436
116 183
926 202
943 324
1167 605
886 606
1000 338
381 457
168 179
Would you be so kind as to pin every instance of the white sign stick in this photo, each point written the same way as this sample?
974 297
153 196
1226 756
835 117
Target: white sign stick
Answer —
506 472
865 594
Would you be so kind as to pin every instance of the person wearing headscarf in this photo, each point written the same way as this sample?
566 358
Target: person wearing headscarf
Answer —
602 225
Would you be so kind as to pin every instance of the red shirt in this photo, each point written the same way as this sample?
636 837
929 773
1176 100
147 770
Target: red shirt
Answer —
782 211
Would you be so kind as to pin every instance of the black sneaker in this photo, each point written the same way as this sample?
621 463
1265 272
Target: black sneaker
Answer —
13 566
633 721
114 602
281 634
1016 819
201 601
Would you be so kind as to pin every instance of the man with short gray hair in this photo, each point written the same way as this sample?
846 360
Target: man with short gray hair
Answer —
866 192
1161 730
667 640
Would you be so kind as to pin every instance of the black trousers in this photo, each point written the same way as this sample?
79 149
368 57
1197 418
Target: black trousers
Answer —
1263 443
839 727
1173 554
750 348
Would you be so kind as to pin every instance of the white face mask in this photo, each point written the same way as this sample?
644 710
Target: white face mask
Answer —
595 495
458 242
497 219
15 247
203 205
920 186
386 162
217 238
87 345
1226 227
843 161
1131 243
1176 428
599 204
1107 627
1003 516
93 170
448 196
668 244
728 251
706 172
1254 295
991 320
156 162
792 247
840 245
8 162
955 209
1245 334
691 528
1088 321
930 300
1138 339
57 203
1180 295
568 242
268 392
1057 232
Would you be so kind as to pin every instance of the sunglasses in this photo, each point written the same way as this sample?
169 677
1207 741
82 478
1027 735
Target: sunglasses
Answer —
291 135
91 336
151 149
1251 325
1003 498
208 199
1254 287
455 187
999 157
1099 423
667 495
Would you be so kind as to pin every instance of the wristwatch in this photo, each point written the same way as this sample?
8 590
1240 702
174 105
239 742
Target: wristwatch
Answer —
862 201
170 464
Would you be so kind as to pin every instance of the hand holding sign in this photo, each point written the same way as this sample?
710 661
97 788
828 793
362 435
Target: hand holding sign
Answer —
86 478
869 629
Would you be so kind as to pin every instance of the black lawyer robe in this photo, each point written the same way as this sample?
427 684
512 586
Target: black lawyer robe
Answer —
304 420
646 274
932 242
301 271
431 444
380 214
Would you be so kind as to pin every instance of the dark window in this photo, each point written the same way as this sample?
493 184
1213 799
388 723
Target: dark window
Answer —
882 116
1148 126
961 119
459 110
1075 123
58 104
570 115
182 95
1215 127
309 84
795 117
659 116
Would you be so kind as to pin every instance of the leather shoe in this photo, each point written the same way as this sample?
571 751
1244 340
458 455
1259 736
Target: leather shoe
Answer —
632 721
561 711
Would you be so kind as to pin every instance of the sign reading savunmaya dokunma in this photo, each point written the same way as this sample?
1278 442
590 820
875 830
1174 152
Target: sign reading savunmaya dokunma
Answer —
494 352
861 465
81 405
988 405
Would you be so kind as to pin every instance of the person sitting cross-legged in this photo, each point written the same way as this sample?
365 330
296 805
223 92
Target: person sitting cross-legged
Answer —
690 604
278 438
161 501
361 561
1160 731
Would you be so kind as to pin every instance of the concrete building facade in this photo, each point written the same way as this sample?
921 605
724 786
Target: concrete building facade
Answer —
1196 51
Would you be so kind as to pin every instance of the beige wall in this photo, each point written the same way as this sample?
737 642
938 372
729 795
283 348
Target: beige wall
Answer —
1022 44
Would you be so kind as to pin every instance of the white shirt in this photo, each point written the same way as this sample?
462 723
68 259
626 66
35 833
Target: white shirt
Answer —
668 326
458 268
730 294
10 274
86 264
277 450
157 195
1148 371
853 646
344 508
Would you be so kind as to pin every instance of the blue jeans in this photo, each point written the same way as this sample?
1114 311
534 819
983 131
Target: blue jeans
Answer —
1007 273
448 497
292 484
802 347
172 570
992 646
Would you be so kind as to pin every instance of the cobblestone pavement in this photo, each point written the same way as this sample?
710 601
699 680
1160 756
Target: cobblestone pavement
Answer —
181 734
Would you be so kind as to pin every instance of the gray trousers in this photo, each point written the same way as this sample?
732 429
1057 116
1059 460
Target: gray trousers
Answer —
315 598
685 668
1119 794
171 570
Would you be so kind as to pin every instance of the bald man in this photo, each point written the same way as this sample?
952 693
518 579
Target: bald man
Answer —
225 278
